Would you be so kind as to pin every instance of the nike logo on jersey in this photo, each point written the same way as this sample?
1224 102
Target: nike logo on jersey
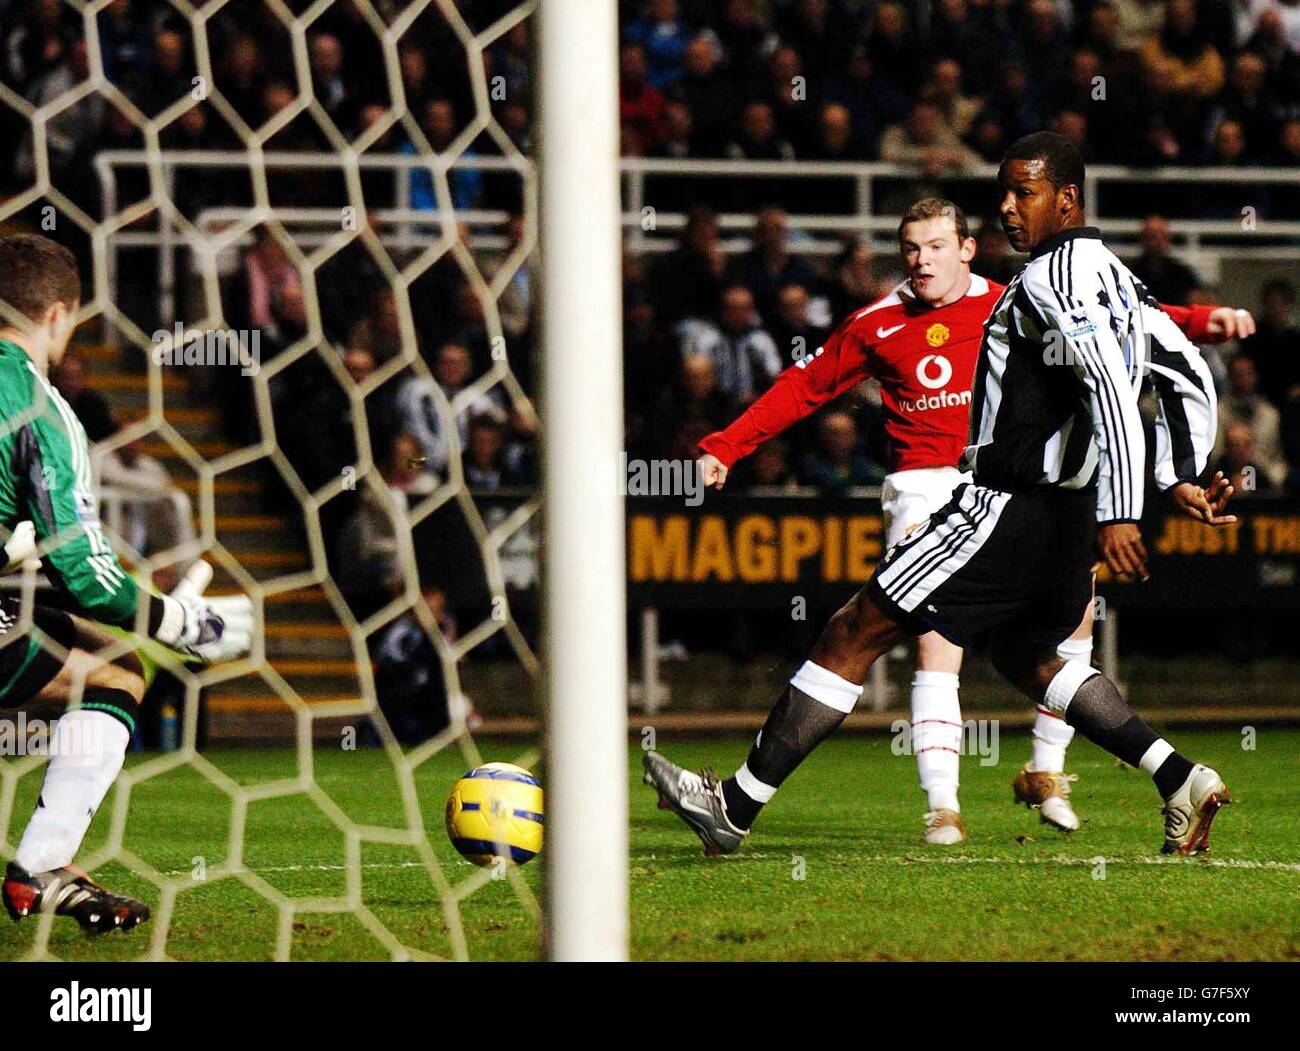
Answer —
881 333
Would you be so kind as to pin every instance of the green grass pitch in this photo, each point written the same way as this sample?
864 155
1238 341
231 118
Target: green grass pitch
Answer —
834 870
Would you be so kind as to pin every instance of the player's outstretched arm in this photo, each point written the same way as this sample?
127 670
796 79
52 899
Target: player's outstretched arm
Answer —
1187 421
1227 323
79 560
796 393
207 629
1203 323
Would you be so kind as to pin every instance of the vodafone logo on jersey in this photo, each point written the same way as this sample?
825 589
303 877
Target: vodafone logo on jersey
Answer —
933 372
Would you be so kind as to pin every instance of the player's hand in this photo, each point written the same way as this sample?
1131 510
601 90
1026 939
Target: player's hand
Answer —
713 472
20 546
208 629
1230 323
1205 505
1120 547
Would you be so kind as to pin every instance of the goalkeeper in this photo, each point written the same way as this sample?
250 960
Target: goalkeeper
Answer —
54 656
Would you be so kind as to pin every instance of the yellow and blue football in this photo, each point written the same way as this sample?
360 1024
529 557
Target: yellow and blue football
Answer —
495 811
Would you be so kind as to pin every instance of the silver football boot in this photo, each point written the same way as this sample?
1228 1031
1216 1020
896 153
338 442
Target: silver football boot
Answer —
697 800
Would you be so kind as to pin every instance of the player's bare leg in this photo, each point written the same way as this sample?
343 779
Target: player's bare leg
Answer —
937 734
814 703
1089 702
1043 782
87 752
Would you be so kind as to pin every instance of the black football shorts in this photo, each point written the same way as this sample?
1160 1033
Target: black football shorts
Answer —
1019 564
28 661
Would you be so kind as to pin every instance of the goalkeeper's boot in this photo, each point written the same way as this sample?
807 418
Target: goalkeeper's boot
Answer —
70 892
1050 793
697 800
1190 811
943 827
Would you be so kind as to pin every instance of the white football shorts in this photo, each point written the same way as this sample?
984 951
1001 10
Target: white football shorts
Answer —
908 498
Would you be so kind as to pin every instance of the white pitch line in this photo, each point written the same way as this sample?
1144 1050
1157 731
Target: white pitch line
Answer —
956 859
311 868
874 859
1223 863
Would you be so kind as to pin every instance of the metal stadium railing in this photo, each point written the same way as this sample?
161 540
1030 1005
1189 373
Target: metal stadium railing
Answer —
1247 236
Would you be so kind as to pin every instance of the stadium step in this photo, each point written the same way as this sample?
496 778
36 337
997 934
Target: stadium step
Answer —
239 720
246 523
115 382
269 703
281 560
110 354
194 424
307 640
248 534
100 359
263 566
222 487
128 399
310 679
163 450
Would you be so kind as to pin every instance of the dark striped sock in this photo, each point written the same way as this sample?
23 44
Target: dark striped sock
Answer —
1099 713
797 724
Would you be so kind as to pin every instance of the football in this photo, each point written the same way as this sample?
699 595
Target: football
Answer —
495 811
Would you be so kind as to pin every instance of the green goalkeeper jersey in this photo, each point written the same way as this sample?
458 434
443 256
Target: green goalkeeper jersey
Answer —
45 476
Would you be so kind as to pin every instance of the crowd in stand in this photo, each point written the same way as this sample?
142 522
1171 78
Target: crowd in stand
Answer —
951 82
937 82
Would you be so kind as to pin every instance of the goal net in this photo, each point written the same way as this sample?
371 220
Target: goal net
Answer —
337 197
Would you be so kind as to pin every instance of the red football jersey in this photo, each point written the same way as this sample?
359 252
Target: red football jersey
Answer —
924 358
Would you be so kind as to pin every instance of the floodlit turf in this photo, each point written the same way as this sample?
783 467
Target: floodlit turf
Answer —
848 823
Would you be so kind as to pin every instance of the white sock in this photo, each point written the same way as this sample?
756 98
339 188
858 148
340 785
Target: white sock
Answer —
87 749
752 786
1153 758
936 736
1052 734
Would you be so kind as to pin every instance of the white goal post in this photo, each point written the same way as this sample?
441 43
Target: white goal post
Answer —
584 601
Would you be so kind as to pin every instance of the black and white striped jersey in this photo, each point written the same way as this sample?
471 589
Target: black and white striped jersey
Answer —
1064 356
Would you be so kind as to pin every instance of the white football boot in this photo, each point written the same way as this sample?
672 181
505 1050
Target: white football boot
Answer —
943 827
1190 811
1050 793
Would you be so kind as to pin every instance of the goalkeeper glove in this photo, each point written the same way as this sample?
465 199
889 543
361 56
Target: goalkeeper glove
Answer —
20 546
208 629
